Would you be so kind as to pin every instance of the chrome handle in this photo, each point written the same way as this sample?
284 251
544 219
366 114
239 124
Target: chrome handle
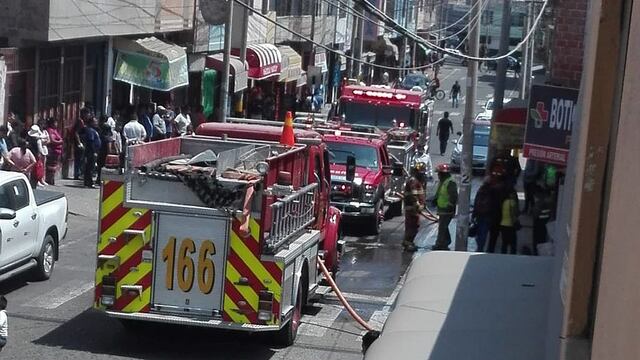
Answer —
34 216
16 223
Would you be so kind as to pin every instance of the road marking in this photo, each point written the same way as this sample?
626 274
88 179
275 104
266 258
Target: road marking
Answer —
317 325
75 241
60 295
454 114
449 74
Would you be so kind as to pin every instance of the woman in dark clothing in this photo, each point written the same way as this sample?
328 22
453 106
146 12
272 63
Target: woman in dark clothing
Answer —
106 142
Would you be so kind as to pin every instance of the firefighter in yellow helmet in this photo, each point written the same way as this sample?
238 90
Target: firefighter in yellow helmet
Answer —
446 201
414 202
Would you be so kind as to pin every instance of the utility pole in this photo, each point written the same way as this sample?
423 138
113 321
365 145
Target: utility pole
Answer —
243 46
524 79
224 89
313 32
531 47
501 74
464 198
405 15
356 40
416 5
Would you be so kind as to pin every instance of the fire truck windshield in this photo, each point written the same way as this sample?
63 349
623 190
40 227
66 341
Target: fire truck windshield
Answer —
366 156
379 116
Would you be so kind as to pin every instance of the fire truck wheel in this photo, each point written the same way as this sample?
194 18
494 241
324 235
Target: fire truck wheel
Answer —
287 335
376 221
46 259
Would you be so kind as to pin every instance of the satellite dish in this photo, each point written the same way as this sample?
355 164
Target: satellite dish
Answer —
215 12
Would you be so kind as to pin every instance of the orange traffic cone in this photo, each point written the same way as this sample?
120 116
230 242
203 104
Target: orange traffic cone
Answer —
287 137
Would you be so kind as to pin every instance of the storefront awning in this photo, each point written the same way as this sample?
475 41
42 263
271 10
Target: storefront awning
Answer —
236 67
151 63
291 64
264 61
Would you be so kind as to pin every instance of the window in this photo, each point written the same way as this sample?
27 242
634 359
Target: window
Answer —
21 194
6 200
366 156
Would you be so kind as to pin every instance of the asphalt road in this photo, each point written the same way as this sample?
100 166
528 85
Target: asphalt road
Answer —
54 319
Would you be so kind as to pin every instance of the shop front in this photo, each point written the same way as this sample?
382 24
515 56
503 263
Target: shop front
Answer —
338 72
149 71
212 79
287 81
265 67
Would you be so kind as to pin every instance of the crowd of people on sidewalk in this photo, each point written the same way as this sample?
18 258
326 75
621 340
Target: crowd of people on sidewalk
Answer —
35 151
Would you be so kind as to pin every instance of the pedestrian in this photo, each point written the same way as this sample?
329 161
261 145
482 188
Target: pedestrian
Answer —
186 112
541 212
92 147
455 92
446 201
444 129
509 223
486 208
509 164
159 126
4 149
106 145
181 122
16 130
145 119
4 323
38 143
55 151
168 118
78 148
529 180
133 131
22 158
414 202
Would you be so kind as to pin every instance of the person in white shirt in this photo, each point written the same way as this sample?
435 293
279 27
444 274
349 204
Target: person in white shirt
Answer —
159 127
4 327
134 132
181 122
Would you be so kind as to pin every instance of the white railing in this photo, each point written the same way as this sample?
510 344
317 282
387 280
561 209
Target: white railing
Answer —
291 215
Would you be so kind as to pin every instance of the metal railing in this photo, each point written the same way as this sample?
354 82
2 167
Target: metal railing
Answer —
290 215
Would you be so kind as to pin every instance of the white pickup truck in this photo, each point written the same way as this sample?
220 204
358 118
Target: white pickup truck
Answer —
32 224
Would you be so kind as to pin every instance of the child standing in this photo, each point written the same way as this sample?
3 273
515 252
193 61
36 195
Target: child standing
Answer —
4 328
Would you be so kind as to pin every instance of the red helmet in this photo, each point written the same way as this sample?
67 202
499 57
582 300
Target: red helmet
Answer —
443 168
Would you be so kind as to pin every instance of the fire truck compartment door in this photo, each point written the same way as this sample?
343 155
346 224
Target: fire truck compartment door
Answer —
189 263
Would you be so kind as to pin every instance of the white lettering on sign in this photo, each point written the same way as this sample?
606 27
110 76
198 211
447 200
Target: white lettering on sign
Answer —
561 117
270 69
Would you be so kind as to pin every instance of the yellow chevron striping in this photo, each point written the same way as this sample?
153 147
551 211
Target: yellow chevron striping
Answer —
230 308
254 228
139 303
133 277
124 254
255 265
246 291
112 201
115 230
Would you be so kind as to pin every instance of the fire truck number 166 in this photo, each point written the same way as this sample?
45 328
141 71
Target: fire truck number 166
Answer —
185 269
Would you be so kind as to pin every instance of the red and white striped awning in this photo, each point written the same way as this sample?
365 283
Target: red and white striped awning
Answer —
264 61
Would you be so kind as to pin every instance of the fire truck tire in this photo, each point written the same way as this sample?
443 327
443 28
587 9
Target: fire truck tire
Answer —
287 335
46 259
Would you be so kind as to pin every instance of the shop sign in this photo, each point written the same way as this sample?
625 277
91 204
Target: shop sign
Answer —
151 72
550 120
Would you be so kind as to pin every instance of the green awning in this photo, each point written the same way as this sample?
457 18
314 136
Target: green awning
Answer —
151 63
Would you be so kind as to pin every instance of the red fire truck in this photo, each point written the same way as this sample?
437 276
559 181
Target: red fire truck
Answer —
215 232
404 115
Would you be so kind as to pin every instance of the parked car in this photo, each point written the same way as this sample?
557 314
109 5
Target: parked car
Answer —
32 225
416 79
488 107
492 65
481 133
455 59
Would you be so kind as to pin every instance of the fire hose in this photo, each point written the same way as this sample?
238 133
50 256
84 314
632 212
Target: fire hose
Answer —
341 297
428 215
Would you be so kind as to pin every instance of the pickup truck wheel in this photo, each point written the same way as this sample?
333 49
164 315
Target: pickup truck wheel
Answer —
46 259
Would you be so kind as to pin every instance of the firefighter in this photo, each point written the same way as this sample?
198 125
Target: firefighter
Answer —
413 204
446 200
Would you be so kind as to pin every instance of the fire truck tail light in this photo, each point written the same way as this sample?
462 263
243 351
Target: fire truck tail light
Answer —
265 305
358 92
108 297
401 96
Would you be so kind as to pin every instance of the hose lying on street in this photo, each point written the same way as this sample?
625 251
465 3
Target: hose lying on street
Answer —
341 297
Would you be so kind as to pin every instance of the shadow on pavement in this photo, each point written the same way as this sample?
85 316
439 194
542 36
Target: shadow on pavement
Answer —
93 332
17 282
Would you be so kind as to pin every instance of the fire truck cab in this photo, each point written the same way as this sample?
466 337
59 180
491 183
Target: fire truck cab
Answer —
215 232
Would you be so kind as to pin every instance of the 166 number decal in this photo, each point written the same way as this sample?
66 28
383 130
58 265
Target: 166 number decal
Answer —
181 265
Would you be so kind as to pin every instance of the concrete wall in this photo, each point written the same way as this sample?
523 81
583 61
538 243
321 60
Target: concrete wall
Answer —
567 43
617 324
53 20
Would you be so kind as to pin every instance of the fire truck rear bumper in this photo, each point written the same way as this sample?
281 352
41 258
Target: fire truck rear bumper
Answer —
210 323
356 209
